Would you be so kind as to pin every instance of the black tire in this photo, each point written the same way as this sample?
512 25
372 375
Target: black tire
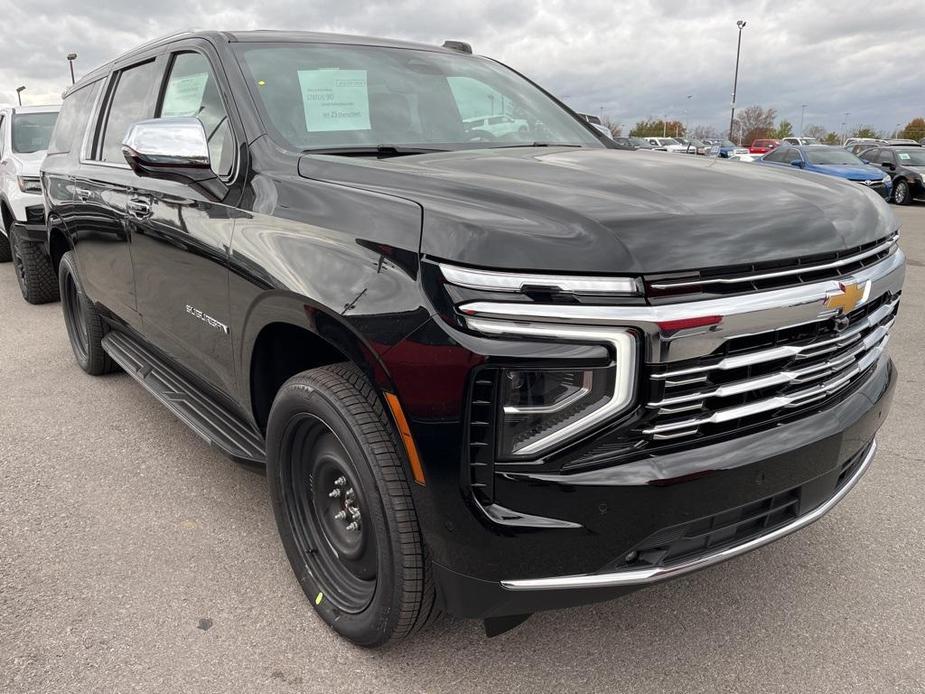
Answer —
370 583
85 328
34 271
901 193
6 252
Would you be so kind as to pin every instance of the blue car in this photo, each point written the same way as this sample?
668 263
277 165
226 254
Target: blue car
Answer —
832 161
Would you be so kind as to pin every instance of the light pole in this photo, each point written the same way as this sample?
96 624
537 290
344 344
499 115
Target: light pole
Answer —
71 57
735 80
686 113
19 91
802 113
845 126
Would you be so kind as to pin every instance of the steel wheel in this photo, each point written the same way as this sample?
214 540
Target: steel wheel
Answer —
326 506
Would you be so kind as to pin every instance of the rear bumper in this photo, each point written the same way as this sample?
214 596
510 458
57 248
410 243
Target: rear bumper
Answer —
814 463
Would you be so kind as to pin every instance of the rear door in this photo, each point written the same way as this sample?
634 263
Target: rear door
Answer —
182 233
103 187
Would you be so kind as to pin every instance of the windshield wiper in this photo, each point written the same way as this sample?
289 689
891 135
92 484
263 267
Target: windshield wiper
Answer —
380 151
537 144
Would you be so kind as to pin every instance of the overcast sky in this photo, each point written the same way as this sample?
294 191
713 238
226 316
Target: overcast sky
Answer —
634 59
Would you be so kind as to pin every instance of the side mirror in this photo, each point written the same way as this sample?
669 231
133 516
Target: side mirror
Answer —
797 162
888 165
169 148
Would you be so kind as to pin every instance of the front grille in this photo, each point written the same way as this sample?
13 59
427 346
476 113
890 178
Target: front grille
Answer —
766 376
772 275
737 525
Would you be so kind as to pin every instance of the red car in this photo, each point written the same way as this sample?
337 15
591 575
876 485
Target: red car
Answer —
763 146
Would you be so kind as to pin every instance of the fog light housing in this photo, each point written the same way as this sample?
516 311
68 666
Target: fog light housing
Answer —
539 404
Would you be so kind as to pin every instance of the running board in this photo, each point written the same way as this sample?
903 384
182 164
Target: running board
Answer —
218 426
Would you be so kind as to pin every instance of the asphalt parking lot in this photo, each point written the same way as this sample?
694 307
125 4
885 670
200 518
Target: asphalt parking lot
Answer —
134 558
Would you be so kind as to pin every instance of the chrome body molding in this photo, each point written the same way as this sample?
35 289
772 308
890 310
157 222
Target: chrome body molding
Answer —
623 343
803 269
740 315
636 577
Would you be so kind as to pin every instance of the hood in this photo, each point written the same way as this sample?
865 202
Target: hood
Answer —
28 164
614 211
855 173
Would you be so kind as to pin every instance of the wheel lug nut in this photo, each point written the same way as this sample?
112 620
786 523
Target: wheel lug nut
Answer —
355 513
353 526
334 493
340 515
340 481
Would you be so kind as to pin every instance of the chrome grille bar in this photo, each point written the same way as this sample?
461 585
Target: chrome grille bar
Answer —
803 397
800 270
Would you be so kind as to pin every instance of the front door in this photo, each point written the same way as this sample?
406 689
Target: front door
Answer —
182 234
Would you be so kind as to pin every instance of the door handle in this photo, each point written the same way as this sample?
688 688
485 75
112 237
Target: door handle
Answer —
82 193
140 208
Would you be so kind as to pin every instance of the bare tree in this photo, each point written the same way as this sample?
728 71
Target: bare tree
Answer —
615 127
705 132
755 122
816 131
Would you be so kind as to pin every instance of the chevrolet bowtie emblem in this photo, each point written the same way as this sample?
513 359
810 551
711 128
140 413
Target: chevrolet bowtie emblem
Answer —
850 297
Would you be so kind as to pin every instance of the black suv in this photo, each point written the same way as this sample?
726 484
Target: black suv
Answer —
490 369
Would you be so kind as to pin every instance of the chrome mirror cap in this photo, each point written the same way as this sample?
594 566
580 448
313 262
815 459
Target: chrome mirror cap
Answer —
166 143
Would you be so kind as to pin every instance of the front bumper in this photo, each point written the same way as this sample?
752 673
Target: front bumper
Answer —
816 460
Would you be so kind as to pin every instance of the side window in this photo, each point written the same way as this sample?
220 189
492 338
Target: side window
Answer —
127 106
871 155
887 156
192 92
780 155
72 121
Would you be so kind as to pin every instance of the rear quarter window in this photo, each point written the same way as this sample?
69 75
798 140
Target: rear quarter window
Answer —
73 119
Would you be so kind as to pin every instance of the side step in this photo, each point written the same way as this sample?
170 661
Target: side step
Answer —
219 427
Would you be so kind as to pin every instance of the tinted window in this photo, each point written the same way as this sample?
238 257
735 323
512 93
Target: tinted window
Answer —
317 96
887 156
127 106
32 131
832 156
192 92
72 121
782 155
871 155
911 157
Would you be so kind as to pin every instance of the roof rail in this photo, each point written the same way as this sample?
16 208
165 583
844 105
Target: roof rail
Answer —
460 46
165 37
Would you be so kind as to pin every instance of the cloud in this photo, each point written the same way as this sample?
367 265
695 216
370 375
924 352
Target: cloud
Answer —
633 59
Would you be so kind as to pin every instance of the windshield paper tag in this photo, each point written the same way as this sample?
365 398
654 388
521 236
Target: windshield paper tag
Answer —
184 96
904 156
335 100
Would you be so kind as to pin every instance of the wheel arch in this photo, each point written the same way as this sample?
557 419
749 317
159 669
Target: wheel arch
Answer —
58 241
285 334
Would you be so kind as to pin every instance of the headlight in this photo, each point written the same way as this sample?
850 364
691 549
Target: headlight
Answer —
541 409
885 180
538 404
30 184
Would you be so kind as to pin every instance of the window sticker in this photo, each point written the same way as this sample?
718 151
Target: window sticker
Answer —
904 156
184 96
335 100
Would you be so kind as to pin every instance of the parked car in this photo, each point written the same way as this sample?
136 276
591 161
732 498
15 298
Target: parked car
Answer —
831 161
626 143
800 141
763 146
24 136
640 143
902 142
859 147
727 148
905 166
862 142
693 146
666 144
498 125
487 376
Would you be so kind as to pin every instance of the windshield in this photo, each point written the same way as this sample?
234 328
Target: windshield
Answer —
835 156
322 96
32 131
911 157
